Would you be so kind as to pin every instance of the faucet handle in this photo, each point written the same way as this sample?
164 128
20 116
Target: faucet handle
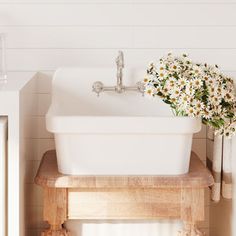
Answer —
98 87
141 87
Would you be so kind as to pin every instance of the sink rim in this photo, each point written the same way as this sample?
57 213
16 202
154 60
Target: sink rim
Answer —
122 124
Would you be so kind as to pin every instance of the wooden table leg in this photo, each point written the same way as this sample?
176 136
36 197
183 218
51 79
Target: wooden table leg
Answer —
190 229
55 211
192 210
61 232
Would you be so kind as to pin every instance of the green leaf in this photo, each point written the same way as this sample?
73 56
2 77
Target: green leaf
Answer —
167 101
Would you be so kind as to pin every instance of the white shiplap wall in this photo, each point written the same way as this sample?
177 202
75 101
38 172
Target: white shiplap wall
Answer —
44 35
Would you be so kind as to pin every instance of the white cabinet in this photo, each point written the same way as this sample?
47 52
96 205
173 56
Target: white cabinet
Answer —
3 158
16 104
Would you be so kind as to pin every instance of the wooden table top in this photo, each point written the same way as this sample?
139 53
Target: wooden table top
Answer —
48 176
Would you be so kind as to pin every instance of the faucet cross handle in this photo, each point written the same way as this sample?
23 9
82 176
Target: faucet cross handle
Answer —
98 87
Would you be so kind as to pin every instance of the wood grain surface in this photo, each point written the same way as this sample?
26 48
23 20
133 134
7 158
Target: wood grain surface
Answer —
48 176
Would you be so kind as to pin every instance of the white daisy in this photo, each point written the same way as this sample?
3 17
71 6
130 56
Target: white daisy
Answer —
190 111
197 83
182 82
175 92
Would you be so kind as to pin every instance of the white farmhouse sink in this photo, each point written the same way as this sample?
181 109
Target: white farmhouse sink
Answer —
115 134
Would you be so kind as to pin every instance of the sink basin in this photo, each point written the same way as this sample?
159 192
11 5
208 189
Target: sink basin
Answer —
115 134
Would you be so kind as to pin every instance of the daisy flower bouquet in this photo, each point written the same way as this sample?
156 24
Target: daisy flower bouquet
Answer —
194 90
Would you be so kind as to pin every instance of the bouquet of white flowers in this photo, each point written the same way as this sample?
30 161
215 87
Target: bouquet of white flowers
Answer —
196 90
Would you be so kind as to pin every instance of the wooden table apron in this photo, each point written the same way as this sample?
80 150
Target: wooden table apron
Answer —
122 197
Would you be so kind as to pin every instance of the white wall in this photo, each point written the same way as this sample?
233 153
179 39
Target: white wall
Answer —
46 34
3 174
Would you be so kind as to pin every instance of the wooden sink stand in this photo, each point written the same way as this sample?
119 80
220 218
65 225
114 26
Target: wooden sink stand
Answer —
122 197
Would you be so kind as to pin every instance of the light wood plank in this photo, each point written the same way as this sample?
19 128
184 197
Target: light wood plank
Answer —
48 176
124 204
55 211
192 204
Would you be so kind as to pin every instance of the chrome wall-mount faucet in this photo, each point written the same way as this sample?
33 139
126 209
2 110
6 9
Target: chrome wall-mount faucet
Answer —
99 87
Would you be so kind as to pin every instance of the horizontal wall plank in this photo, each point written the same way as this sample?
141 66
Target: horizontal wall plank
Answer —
199 147
39 146
31 170
34 196
118 1
50 59
69 37
34 219
40 131
185 37
201 134
120 37
118 14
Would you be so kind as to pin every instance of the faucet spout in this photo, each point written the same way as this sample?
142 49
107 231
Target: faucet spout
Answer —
120 60
120 65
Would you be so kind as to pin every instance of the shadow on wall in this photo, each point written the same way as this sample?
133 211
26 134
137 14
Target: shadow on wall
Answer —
221 218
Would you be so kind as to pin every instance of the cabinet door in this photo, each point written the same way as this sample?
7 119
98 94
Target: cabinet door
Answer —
3 159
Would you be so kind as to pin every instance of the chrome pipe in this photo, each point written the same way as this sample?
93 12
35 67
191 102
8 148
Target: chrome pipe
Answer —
99 87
